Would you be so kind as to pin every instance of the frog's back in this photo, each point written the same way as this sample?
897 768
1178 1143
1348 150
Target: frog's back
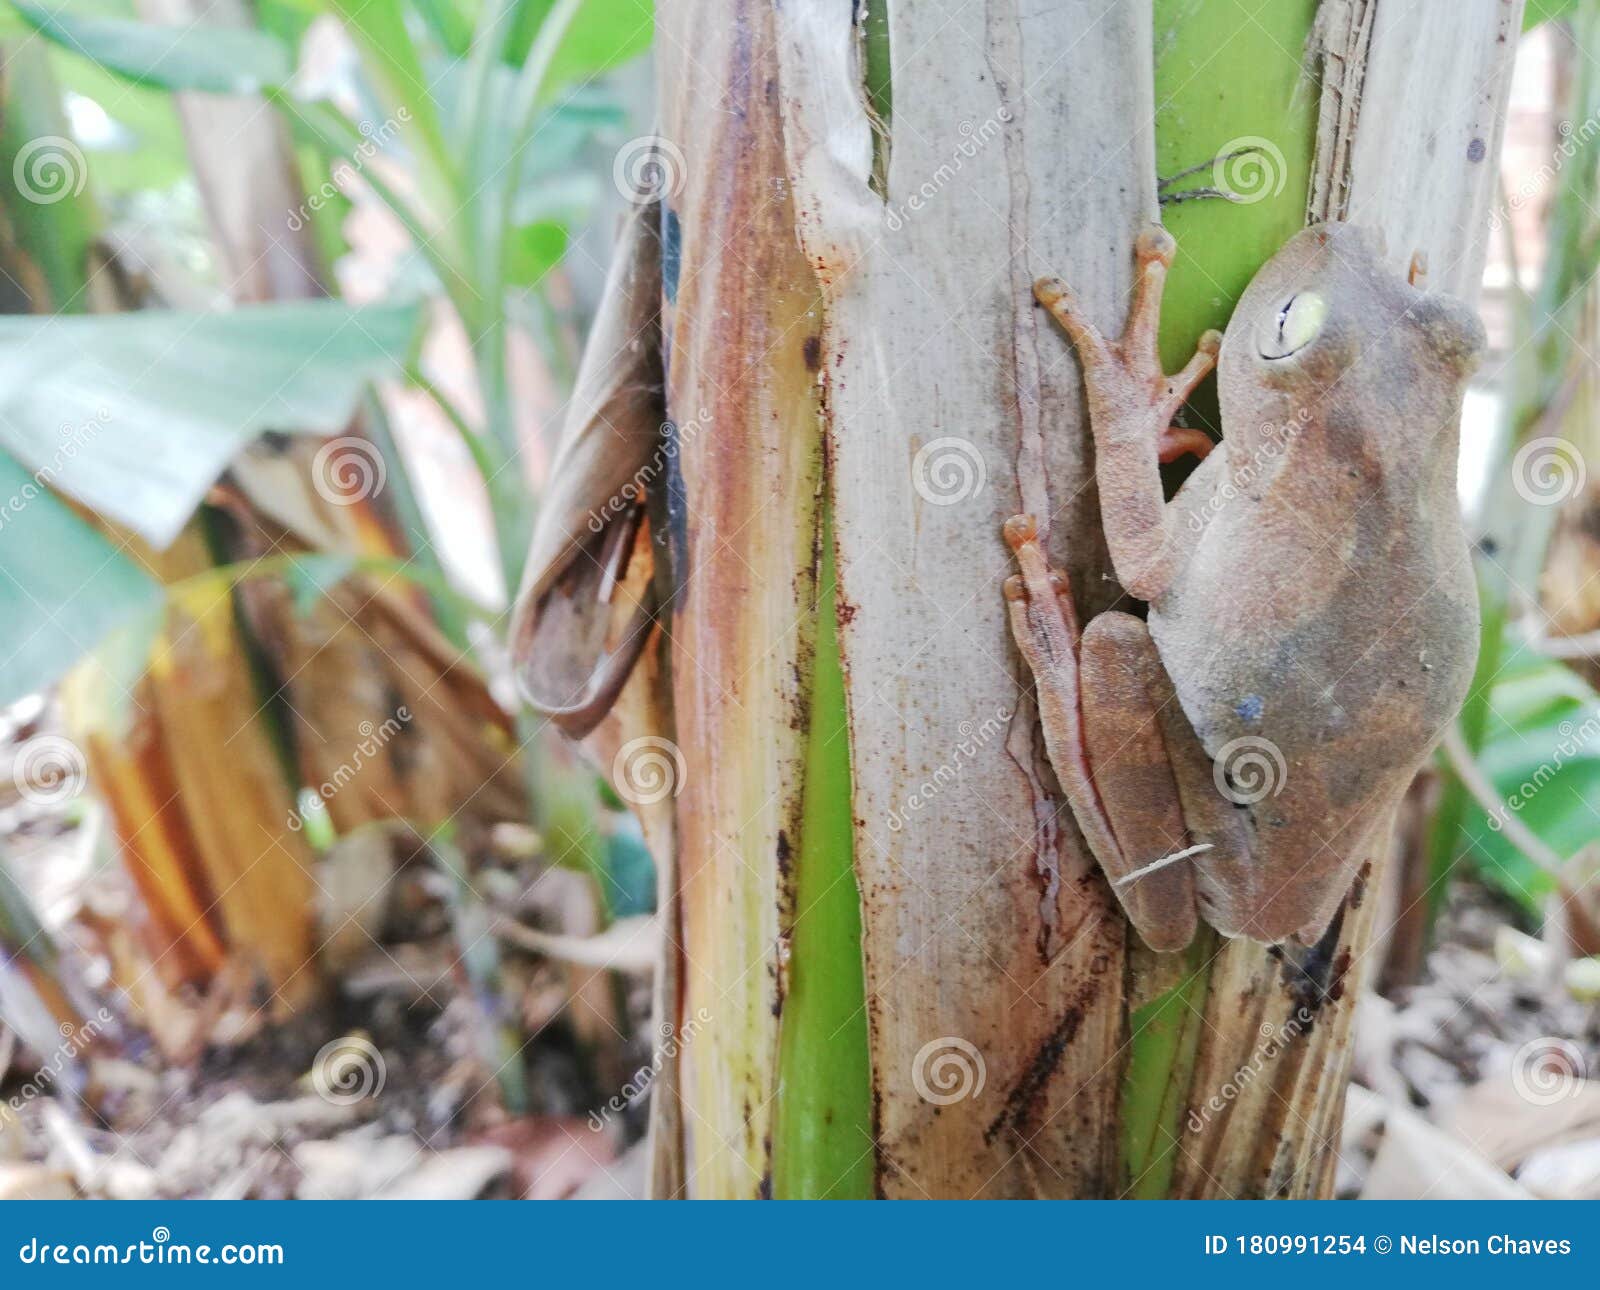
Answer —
1328 597
1316 700
1367 636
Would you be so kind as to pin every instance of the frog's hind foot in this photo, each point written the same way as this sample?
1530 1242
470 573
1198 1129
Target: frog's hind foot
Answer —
1044 625
1127 808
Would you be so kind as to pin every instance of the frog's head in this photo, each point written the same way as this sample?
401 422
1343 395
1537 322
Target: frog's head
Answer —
1329 295
1329 302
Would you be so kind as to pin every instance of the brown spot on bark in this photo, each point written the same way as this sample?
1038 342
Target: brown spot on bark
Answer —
1358 889
811 350
883 1162
1341 965
1023 1102
1313 977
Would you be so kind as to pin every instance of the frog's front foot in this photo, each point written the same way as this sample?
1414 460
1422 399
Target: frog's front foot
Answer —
1129 394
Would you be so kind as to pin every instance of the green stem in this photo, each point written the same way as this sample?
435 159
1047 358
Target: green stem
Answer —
278 565
483 454
55 236
823 1142
499 1042
447 610
496 201
333 132
1164 1035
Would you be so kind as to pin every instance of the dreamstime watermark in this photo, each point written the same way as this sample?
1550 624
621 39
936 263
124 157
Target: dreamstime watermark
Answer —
373 738
49 169
375 139
974 138
673 1038
49 770
1249 169
348 470
348 1070
1276 1038
72 440
1547 1070
1274 440
1574 138
649 168
948 470
160 1250
1249 769
648 770
948 1070
674 435
974 738
1547 471
1574 740
75 1039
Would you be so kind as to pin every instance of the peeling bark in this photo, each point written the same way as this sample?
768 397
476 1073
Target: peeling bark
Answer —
739 327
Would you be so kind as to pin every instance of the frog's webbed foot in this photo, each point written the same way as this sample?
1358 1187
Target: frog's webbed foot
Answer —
1131 406
1127 807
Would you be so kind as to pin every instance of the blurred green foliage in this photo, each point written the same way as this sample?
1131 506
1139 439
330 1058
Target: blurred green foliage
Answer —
1515 717
1542 753
466 119
483 126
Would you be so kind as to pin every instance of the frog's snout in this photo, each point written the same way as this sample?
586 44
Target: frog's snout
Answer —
1451 328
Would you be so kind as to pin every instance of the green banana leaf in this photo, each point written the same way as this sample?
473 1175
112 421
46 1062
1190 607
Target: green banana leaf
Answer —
135 415
64 588
1542 754
216 60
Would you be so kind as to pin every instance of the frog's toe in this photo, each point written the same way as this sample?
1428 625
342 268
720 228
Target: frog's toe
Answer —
1155 243
1179 441
1056 296
1019 530
1053 293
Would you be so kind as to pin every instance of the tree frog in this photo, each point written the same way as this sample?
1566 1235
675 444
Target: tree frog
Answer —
1313 617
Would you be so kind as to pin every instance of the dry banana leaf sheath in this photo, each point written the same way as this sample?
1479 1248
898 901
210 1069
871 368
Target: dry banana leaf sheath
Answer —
578 629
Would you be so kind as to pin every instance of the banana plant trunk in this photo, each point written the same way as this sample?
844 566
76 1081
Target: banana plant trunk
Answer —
894 968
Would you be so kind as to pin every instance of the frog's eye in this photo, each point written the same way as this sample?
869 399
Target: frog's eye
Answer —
1292 326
